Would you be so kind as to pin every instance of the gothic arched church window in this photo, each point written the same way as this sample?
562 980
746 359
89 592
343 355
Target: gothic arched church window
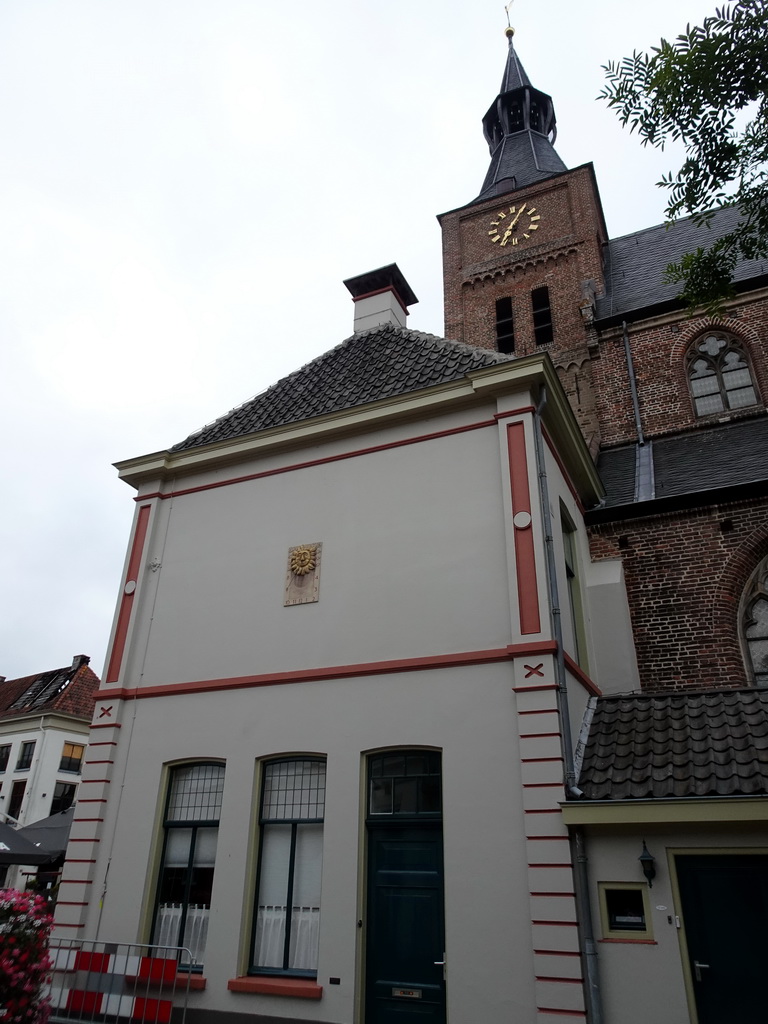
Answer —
754 623
719 375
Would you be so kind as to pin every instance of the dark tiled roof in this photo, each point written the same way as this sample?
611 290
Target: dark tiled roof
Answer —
616 468
635 264
69 690
524 158
515 76
700 460
371 365
677 745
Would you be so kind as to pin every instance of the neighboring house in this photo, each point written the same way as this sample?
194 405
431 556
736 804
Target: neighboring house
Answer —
422 649
44 725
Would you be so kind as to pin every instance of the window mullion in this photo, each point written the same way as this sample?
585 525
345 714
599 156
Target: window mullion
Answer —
289 898
187 886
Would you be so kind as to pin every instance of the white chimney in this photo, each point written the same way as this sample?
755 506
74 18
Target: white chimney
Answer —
381 297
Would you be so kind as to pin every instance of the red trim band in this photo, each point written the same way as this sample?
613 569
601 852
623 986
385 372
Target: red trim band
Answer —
525 556
514 412
318 462
562 1013
559 924
581 676
126 604
336 672
563 981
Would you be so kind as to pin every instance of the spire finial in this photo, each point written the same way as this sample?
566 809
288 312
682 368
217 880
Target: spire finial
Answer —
509 31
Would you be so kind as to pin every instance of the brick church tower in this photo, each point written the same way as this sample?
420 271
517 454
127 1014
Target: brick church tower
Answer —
522 263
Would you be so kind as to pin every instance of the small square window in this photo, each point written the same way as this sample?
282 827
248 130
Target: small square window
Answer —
71 757
63 796
625 910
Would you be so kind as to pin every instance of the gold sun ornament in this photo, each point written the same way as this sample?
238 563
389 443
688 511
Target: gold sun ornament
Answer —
303 560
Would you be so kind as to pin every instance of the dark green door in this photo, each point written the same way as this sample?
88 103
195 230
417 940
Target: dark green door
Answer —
725 909
406 936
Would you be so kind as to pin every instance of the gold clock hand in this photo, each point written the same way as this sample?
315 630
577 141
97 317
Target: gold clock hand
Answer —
517 216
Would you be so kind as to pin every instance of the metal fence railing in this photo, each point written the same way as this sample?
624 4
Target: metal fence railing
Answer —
117 983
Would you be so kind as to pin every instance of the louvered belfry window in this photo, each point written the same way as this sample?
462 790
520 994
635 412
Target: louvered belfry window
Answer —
719 375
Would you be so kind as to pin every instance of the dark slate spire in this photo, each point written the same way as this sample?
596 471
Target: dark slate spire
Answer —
520 130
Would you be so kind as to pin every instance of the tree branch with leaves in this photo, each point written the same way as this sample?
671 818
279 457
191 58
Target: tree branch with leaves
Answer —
708 90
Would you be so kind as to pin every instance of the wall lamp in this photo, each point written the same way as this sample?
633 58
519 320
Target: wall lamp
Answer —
648 864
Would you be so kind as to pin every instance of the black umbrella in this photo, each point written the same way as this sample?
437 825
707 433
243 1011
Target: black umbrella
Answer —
50 834
15 849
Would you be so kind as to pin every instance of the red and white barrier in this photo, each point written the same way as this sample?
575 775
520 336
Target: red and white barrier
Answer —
90 984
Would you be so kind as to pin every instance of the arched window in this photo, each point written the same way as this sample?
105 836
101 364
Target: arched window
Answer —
719 375
754 623
191 826
287 927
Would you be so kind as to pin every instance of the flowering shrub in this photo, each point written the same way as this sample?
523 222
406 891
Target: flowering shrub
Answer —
25 925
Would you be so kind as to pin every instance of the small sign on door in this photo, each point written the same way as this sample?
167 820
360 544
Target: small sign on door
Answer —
407 993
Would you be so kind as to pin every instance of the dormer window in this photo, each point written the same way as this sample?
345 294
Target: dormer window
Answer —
719 375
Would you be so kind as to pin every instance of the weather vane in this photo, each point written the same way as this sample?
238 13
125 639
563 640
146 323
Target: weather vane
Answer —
506 8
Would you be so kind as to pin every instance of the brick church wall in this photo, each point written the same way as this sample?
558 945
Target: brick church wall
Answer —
659 350
686 573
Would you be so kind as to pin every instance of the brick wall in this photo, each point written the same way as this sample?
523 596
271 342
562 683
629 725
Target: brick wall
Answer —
659 350
564 254
686 573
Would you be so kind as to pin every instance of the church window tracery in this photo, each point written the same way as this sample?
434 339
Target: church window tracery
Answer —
754 624
719 375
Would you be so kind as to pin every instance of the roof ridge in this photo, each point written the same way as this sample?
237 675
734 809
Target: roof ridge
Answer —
367 366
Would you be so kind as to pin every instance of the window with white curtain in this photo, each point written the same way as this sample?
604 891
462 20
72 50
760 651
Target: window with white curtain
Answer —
287 924
184 888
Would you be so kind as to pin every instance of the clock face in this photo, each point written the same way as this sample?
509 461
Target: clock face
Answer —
509 226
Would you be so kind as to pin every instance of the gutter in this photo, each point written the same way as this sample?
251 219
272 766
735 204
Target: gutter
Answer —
578 842
711 497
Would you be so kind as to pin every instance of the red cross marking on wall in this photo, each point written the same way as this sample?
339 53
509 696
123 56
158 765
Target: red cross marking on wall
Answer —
107 712
534 670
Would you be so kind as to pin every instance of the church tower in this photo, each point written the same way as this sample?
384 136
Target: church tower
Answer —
523 262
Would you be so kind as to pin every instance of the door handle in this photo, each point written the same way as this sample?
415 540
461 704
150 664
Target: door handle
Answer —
439 963
698 968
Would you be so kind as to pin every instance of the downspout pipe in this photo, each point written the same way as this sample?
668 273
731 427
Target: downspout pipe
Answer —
632 384
578 846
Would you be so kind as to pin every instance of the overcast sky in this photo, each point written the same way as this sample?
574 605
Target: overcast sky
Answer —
184 184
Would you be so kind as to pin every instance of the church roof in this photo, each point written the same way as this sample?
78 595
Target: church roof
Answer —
515 76
635 264
370 365
523 158
652 746
686 464
520 128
